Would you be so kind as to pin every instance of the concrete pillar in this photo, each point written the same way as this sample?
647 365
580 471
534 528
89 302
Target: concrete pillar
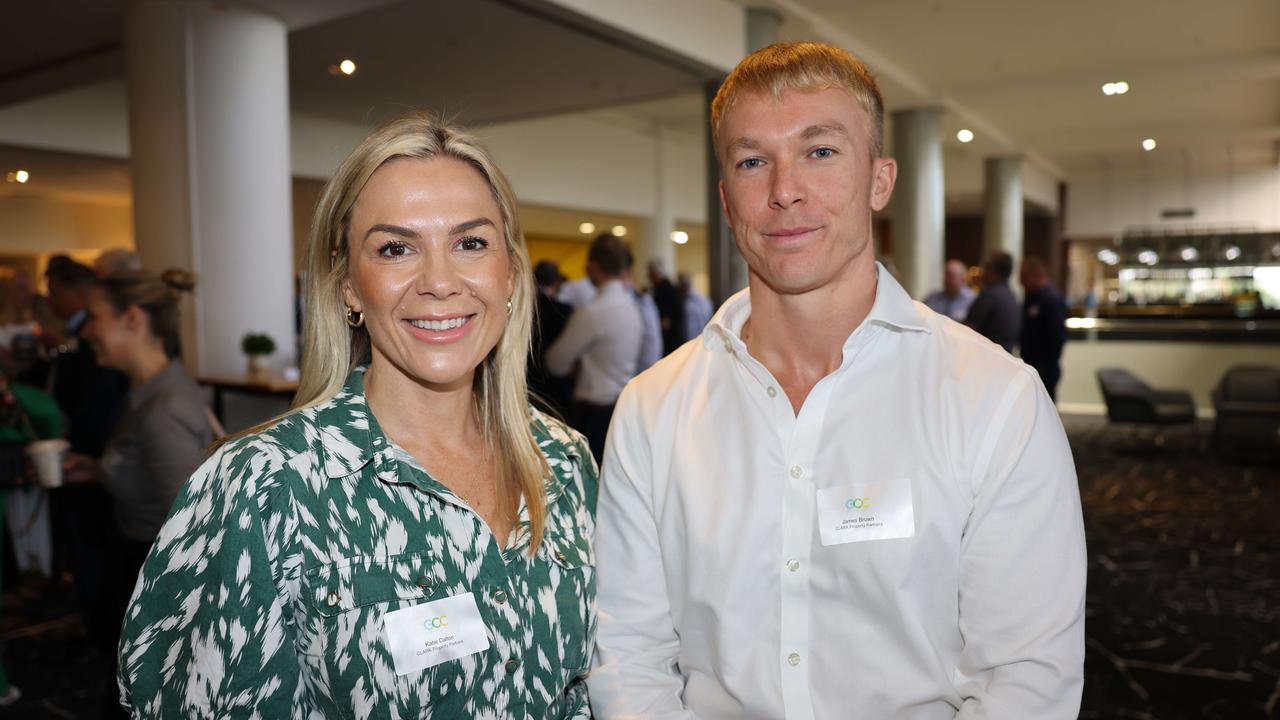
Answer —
919 209
658 245
209 137
1002 215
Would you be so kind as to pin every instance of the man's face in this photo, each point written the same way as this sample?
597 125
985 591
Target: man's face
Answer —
800 184
953 280
64 301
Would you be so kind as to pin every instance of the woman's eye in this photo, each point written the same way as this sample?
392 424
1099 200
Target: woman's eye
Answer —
393 249
473 243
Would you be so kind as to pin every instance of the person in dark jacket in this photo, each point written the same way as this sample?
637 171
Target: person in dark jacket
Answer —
1044 324
994 312
552 393
670 307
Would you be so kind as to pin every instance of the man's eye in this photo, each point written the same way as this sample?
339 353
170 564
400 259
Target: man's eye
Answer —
393 249
824 152
750 163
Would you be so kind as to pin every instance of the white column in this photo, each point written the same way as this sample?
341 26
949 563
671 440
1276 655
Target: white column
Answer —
1002 216
209 136
918 204
658 245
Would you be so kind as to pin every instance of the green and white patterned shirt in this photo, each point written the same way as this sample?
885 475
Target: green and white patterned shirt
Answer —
265 593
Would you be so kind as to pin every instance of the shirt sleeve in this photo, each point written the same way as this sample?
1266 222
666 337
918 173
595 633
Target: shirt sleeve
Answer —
208 632
635 672
1023 565
578 335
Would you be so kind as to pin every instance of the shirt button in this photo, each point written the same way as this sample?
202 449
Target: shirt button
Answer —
796 472
332 600
773 391
793 659
793 564
500 596
512 665
424 582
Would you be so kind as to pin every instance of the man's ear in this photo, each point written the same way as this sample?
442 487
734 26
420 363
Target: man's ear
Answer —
724 204
884 175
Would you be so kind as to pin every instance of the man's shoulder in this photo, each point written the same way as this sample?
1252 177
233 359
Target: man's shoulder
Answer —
672 374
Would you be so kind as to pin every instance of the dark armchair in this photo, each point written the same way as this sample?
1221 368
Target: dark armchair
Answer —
1130 400
1247 403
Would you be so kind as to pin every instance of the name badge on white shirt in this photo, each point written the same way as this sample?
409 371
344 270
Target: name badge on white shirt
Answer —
871 511
429 634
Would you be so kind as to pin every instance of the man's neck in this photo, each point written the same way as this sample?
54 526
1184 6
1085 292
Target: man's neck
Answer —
800 338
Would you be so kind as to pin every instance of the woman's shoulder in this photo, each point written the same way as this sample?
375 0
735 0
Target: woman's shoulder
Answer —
555 437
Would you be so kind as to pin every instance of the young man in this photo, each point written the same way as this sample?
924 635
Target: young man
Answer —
1044 324
835 502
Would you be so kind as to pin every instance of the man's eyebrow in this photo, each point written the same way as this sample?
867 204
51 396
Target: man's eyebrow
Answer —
471 225
742 143
814 131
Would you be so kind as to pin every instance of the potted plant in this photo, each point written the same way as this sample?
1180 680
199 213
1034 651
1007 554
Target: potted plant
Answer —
257 346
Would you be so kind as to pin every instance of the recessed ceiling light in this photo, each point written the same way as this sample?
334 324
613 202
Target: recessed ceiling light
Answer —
586 228
347 67
679 237
1115 88
18 176
1149 144
1148 257
965 135
1189 253
1232 252
1108 256
1121 87
619 230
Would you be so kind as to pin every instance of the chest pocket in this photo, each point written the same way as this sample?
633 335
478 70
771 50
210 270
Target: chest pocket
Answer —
340 629
571 574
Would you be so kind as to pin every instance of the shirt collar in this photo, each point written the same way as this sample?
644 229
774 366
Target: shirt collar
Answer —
893 308
75 322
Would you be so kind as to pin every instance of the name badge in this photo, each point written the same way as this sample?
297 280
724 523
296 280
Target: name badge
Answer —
429 634
871 511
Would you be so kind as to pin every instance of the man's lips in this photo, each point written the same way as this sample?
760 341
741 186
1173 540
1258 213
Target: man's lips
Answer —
789 232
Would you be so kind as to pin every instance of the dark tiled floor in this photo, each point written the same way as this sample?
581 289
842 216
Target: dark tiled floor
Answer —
1183 605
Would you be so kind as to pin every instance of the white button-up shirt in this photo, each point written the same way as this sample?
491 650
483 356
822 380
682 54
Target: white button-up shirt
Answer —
605 334
720 595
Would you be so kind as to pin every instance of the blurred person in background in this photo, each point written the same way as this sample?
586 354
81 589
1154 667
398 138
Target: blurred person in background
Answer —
134 327
576 293
955 297
994 313
670 306
602 340
91 397
413 539
1044 324
697 307
551 317
117 260
651 340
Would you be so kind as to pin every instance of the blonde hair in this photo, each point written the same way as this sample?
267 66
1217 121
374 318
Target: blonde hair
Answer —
801 66
157 296
331 349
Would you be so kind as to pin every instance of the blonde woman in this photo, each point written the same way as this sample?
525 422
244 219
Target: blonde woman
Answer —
413 539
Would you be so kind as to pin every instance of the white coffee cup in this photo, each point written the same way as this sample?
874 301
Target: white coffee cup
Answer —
47 456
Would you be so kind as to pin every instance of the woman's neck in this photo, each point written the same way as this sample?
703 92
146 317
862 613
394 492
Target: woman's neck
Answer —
403 407
148 362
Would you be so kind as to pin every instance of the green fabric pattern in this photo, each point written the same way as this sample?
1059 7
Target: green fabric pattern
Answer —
265 593
44 420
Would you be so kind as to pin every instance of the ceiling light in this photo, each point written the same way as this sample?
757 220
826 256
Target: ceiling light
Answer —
1121 87
1109 89
347 67
18 176
619 231
1275 250
586 228
1232 252
1108 256
679 237
1188 253
1148 257
1149 144
965 135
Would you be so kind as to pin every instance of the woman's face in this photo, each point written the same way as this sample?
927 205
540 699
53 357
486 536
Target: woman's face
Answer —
109 333
429 269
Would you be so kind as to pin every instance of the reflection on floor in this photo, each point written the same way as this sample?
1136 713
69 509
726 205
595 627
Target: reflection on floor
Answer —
1183 605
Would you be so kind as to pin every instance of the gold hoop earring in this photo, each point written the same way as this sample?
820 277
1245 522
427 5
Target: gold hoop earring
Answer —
355 318
510 309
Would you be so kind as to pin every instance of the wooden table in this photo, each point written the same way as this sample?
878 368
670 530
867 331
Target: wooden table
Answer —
269 384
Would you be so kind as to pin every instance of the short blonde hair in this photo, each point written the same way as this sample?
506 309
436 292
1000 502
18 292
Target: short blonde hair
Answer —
331 349
801 66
